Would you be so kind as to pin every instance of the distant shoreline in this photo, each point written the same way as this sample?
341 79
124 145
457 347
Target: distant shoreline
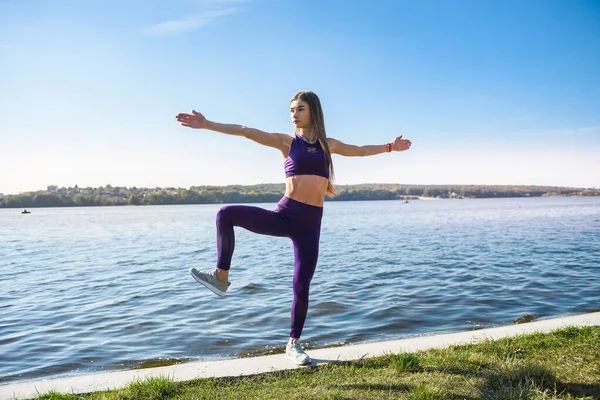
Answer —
108 195
420 198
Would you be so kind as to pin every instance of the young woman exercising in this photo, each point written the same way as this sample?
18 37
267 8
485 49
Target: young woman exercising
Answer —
309 177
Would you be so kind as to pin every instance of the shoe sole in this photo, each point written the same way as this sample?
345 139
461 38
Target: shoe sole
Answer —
297 363
208 285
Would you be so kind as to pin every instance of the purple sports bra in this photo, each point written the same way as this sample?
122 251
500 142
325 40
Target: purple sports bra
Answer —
306 159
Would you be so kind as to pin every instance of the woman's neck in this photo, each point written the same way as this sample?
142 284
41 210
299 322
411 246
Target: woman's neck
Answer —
307 134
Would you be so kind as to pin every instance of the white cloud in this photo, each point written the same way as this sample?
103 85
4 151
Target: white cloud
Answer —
189 23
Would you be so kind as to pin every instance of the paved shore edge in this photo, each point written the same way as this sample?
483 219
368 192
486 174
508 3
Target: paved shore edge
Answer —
278 362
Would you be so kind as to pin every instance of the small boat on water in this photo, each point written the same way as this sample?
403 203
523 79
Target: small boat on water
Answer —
25 212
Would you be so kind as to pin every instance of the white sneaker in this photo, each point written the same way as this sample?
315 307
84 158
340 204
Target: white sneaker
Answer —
294 352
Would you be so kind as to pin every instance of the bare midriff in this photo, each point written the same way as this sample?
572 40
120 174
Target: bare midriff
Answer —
308 189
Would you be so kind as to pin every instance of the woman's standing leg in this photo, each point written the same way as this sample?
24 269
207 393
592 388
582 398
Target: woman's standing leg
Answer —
306 253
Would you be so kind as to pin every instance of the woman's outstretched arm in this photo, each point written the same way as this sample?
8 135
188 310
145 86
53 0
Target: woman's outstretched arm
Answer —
350 150
197 121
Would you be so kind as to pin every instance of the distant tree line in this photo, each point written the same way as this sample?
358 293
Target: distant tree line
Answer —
271 193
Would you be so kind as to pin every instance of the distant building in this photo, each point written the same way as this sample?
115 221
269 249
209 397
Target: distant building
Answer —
52 188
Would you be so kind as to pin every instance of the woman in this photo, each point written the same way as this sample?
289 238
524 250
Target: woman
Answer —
309 177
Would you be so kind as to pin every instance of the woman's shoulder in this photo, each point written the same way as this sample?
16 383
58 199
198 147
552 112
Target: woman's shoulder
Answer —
286 137
331 141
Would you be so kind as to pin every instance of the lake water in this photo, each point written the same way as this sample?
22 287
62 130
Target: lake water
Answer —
97 289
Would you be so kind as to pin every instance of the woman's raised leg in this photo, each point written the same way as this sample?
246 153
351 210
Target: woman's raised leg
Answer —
254 219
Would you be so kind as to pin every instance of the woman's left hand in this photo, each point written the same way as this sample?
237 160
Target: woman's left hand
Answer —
400 144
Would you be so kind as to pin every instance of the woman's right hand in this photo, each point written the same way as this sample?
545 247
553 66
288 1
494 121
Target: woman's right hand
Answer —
194 120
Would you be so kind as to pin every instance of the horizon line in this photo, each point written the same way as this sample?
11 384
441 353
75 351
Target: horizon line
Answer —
283 183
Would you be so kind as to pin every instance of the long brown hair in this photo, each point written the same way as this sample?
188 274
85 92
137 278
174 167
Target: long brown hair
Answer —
318 127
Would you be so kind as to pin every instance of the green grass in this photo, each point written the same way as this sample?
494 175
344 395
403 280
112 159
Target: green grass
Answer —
564 364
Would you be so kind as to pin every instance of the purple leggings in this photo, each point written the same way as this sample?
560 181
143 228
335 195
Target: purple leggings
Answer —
298 221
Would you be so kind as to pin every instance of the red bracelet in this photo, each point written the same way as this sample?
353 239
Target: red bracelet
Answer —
388 147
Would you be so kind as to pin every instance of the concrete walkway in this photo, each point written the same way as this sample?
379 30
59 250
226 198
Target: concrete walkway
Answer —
278 362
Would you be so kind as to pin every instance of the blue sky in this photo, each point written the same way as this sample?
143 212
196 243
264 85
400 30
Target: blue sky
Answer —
489 92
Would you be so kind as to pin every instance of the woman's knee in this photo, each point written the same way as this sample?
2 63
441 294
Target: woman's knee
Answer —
224 214
301 283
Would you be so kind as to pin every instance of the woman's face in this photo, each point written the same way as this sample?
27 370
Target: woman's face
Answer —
300 114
